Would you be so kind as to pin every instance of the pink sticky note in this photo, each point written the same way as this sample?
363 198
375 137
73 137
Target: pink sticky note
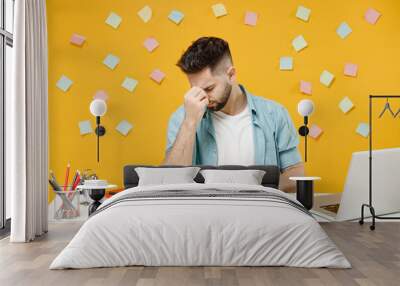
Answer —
305 87
371 16
150 44
101 94
315 131
157 75
250 18
77 40
350 69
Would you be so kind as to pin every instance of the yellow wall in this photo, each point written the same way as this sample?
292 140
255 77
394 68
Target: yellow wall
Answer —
256 52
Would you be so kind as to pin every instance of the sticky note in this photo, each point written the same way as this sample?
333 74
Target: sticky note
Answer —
299 43
286 63
77 40
114 20
326 78
157 75
250 18
219 10
343 30
350 69
101 94
346 105
111 61
129 84
363 129
371 16
176 16
145 13
85 127
303 13
124 127
150 44
305 87
315 131
64 83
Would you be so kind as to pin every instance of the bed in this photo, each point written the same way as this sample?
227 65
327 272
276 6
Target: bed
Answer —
199 224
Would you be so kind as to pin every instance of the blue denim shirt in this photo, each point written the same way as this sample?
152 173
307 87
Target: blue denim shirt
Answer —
275 137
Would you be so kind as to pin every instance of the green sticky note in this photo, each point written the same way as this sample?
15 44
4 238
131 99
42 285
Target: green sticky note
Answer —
129 84
303 13
346 105
114 20
85 127
363 129
299 43
286 63
326 78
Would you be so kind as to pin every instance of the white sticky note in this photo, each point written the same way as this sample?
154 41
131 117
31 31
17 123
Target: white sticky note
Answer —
64 83
286 63
299 43
303 13
363 129
346 105
343 30
114 20
176 16
326 78
219 10
145 13
129 84
111 61
85 127
315 131
124 127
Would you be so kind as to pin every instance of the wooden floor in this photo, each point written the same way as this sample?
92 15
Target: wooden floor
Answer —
375 257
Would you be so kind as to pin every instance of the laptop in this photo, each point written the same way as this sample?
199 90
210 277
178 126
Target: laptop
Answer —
385 188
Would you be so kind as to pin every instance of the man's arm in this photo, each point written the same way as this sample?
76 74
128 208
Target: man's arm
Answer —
287 185
195 105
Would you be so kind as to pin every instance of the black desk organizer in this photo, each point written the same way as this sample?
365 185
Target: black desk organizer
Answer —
370 205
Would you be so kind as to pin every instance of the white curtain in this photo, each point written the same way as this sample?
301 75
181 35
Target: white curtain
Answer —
27 123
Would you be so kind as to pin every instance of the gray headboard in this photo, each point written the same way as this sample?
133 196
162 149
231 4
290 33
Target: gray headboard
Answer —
270 179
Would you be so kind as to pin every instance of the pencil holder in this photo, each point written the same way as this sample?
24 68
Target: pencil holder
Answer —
67 204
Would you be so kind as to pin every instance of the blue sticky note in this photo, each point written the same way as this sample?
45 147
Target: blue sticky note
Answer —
363 129
299 43
303 13
114 20
111 61
129 84
326 78
176 16
286 63
85 127
124 127
64 83
343 30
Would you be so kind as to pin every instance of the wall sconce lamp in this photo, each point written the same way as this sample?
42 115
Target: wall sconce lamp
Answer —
305 108
98 108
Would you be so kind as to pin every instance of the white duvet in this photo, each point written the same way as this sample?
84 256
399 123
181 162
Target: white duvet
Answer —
200 231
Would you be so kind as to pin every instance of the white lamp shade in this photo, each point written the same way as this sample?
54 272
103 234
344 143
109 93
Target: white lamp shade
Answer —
305 107
98 107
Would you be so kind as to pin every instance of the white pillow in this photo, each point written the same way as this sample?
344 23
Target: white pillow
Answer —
163 176
248 177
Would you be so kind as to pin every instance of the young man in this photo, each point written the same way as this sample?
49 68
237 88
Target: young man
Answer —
221 123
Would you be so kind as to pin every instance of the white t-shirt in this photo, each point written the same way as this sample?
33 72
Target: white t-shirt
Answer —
234 136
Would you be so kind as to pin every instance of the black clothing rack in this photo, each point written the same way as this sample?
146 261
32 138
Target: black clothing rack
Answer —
369 205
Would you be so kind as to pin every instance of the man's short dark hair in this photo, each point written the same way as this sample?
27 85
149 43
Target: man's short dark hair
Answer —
204 52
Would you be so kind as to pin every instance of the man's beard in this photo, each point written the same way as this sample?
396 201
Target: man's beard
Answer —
226 93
